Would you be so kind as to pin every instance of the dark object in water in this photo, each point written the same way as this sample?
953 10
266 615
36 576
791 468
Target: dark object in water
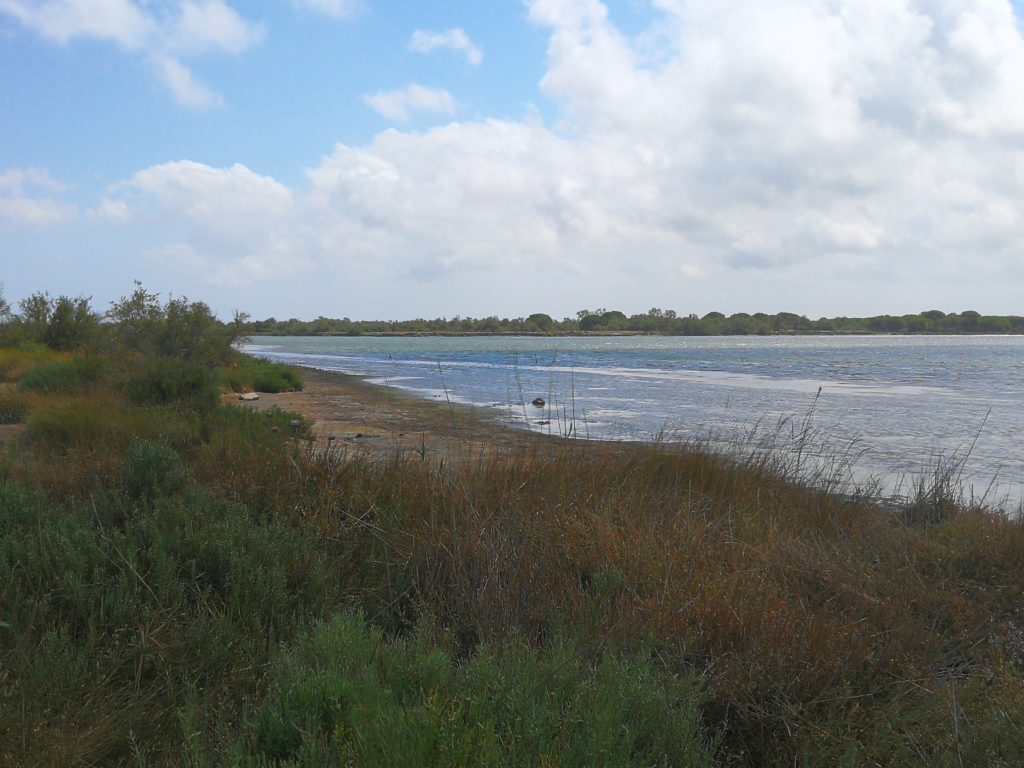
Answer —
539 402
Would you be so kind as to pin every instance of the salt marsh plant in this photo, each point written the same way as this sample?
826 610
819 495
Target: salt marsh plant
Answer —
205 586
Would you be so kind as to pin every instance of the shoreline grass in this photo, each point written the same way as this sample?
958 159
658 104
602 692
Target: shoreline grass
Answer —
192 585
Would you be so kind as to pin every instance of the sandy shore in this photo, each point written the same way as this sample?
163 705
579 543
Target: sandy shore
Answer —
364 416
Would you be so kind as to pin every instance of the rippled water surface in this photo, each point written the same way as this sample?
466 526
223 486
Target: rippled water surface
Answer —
897 403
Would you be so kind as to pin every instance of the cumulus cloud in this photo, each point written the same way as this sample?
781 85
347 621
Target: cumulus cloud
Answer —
338 9
26 197
762 147
398 105
229 212
162 31
453 39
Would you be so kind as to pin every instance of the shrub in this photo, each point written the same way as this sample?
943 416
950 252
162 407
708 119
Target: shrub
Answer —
65 375
279 378
168 381
348 696
151 469
178 328
260 375
110 631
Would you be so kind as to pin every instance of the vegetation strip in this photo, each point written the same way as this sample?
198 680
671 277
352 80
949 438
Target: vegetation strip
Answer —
192 583
656 322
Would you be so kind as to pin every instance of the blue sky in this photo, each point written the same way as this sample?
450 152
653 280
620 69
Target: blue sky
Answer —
380 159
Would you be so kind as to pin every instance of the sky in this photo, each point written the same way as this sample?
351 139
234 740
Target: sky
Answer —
393 159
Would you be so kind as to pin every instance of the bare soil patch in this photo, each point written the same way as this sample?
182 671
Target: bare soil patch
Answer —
347 412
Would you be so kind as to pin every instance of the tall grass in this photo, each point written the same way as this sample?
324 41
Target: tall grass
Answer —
169 381
15 362
75 373
184 586
817 617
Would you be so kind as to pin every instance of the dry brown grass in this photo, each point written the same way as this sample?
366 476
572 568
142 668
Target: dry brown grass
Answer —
809 613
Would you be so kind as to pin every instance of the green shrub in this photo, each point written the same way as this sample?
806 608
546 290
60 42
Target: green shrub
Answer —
346 695
260 375
66 375
178 328
107 629
169 381
152 469
279 378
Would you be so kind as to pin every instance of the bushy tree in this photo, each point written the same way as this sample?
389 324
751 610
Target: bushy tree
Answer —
62 323
179 328
72 324
5 308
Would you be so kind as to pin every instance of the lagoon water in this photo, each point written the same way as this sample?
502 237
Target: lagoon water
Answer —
895 404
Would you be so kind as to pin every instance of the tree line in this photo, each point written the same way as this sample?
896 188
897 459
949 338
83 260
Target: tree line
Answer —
655 322
138 324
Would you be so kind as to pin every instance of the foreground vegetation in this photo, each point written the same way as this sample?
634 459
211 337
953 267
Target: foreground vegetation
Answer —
655 321
189 583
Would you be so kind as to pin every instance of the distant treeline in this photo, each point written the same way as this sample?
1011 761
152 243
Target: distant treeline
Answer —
656 321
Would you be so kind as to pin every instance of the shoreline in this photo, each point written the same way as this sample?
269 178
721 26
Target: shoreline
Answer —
349 412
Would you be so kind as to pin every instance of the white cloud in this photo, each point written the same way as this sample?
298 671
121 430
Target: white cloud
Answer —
39 212
110 210
213 26
14 181
161 30
338 9
399 104
799 154
119 21
187 91
242 224
454 39
21 203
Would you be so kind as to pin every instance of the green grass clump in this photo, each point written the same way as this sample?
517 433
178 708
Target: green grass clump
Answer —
234 427
72 422
66 375
260 375
347 695
17 361
170 381
152 469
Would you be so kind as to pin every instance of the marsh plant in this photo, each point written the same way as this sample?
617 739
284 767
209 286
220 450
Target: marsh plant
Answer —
206 586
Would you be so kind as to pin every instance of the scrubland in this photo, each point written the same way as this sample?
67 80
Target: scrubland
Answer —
184 582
